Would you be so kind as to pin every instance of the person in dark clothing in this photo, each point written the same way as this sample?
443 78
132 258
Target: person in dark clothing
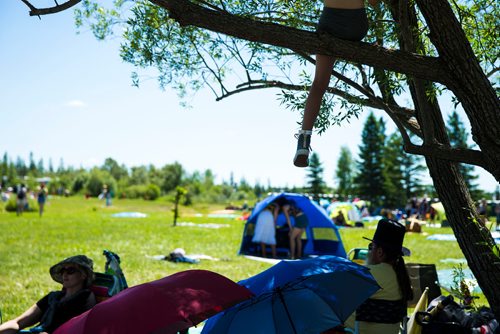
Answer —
41 198
76 275
21 200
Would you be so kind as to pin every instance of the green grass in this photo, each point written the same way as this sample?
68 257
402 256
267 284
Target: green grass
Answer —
29 245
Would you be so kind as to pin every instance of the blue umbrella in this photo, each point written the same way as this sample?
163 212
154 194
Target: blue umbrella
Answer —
301 296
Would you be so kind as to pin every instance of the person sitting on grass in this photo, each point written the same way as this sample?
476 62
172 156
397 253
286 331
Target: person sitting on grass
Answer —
76 275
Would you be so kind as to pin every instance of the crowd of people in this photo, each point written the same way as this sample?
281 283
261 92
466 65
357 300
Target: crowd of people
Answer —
22 196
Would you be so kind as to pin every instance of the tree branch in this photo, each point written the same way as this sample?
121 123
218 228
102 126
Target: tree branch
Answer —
401 120
493 71
188 13
50 10
468 156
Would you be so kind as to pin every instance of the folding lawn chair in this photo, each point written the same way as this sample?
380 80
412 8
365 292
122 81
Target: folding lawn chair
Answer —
110 282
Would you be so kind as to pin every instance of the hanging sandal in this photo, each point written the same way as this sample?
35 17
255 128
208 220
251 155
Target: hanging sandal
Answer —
301 158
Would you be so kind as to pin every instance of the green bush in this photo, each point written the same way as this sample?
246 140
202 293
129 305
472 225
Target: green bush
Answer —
149 192
96 181
152 192
11 205
134 191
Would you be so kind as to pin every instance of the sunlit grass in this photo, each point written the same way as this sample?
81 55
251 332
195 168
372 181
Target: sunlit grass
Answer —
29 245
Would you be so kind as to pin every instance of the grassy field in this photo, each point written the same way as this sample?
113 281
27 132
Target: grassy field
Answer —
29 245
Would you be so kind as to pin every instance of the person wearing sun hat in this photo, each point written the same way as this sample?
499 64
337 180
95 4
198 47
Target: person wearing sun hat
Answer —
76 274
385 309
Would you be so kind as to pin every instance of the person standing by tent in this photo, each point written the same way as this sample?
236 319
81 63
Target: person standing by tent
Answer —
298 229
345 19
265 229
383 312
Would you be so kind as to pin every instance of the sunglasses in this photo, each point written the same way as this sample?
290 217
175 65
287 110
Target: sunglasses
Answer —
69 270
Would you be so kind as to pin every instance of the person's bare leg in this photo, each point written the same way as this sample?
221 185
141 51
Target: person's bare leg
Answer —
295 233
292 245
322 74
324 66
263 249
299 244
273 251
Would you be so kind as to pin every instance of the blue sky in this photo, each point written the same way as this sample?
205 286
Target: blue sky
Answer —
67 95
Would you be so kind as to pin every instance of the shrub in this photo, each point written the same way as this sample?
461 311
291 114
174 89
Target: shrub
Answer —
152 192
149 192
134 191
11 205
96 181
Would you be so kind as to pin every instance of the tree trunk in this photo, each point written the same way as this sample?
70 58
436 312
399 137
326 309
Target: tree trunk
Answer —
474 239
469 83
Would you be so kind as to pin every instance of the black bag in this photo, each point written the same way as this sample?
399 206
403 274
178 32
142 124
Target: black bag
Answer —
422 276
453 319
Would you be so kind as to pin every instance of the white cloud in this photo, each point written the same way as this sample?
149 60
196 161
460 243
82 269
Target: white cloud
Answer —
75 104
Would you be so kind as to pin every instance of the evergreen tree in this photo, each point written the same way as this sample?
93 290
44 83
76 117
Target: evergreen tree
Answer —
315 183
208 179
51 166
370 177
393 175
60 169
21 168
40 167
244 185
4 170
345 172
12 178
32 165
459 138
258 189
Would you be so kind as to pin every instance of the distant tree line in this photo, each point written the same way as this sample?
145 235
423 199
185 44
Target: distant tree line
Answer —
382 173
148 181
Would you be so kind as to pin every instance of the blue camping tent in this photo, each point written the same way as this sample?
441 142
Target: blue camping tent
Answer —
322 236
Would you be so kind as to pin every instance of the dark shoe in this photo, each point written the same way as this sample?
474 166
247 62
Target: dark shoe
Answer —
301 158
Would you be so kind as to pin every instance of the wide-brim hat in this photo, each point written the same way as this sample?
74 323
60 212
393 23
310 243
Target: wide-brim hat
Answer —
85 263
390 235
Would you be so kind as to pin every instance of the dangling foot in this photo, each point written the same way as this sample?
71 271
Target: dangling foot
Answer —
301 158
